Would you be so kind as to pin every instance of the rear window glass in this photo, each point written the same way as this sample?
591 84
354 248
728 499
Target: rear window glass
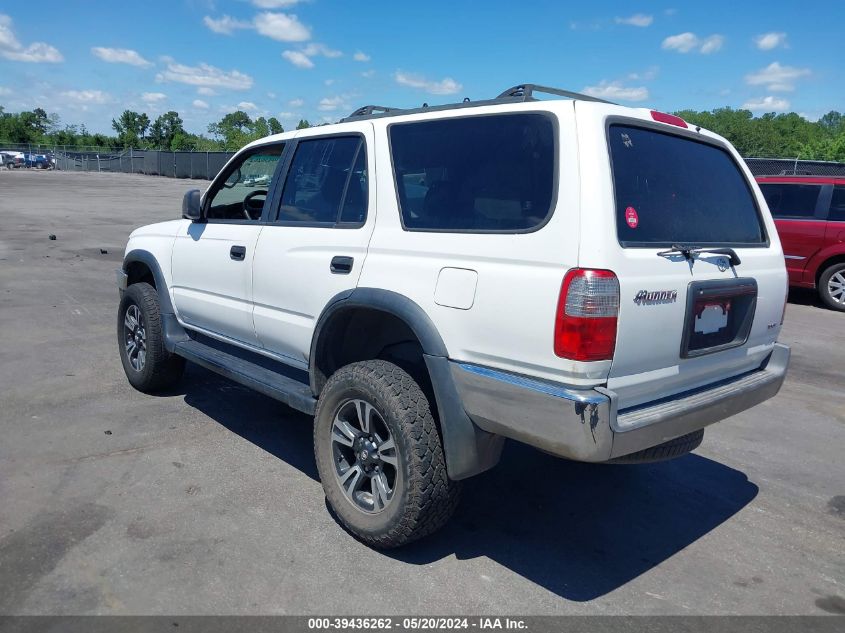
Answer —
791 200
837 205
673 190
476 174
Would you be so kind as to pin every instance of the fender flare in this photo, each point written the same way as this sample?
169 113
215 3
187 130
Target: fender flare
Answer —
173 330
469 450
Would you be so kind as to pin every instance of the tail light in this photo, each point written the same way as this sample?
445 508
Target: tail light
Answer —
585 326
671 119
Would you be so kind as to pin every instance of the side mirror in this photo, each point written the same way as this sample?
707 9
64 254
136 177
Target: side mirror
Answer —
191 209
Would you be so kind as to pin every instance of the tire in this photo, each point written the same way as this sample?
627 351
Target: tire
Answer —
663 452
832 286
148 365
416 496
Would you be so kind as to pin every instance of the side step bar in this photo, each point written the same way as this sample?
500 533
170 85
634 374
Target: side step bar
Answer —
292 392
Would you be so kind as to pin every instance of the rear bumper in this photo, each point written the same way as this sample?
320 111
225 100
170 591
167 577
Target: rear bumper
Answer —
585 424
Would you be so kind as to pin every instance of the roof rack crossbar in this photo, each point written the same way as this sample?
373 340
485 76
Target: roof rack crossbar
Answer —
369 110
526 93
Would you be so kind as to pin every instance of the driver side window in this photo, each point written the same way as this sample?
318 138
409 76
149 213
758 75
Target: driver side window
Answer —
242 194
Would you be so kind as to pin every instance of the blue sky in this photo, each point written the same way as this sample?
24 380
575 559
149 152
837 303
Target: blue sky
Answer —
316 59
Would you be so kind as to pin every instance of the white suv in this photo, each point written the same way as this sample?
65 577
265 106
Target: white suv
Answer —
600 282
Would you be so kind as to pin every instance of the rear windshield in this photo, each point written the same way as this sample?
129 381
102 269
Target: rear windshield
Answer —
672 190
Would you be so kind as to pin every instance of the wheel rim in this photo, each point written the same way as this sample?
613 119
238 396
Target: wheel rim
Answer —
135 337
836 287
366 464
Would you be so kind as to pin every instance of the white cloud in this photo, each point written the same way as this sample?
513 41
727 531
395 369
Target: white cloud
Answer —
298 59
287 115
120 56
314 49
768 41
368 73
274 4
686 42
446 86
648 74
329 104
360 56
153 97
281 27
296 103
4 91
225 25
206 92
614 90
205 75
12 49
86 96
683 42
638 19
248 106
199 104
767 104
328 82
712 44
776 77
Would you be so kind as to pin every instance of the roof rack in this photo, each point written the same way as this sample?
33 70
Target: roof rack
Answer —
520 93
525 92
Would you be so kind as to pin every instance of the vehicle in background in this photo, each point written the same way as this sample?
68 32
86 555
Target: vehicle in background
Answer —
809 212
12 159
37 161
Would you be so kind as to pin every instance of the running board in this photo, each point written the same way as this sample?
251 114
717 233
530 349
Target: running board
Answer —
292 392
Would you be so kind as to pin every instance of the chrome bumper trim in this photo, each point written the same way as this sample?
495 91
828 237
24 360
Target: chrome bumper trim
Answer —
585 424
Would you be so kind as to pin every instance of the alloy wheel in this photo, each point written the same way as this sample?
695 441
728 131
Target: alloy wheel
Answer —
366 464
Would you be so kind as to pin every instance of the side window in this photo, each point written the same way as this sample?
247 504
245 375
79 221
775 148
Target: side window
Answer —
241 195
793 201
326 182
475 173
837 204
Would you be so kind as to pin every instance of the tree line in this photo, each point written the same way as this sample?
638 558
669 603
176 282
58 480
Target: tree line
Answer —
137 130
769 135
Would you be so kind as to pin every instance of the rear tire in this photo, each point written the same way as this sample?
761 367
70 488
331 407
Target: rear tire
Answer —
148 365
662 452
380 457
832 286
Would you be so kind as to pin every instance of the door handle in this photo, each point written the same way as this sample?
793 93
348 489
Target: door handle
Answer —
237 253
341 265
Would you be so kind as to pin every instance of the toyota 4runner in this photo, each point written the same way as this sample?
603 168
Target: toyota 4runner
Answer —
597 281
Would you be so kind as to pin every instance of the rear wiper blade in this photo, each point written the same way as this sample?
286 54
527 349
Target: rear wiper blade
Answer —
690 252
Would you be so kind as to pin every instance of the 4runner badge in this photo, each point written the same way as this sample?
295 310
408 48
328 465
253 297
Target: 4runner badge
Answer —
646 298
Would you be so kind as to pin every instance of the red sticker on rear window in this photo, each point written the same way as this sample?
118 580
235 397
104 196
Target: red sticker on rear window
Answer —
631 217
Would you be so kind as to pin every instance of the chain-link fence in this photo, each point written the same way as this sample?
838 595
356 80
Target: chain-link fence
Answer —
794 167
207 164
192 164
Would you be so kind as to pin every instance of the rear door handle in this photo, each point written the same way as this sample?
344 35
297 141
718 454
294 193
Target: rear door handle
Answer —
341 265
237 253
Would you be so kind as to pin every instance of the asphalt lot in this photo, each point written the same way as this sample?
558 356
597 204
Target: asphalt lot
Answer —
205 500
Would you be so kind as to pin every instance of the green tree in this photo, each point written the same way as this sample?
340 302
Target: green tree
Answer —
303 123
164 130
275 126
131 127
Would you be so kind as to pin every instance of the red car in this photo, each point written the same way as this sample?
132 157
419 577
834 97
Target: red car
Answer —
809 212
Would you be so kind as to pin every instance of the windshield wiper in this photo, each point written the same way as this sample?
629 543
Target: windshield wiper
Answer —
690 252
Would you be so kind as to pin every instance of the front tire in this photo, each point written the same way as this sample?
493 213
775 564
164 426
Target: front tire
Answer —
148 365
380 457
832 286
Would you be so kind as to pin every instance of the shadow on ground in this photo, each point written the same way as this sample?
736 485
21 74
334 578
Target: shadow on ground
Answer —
805 297
579 530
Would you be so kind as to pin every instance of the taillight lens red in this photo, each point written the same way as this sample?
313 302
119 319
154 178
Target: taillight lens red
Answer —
585 326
